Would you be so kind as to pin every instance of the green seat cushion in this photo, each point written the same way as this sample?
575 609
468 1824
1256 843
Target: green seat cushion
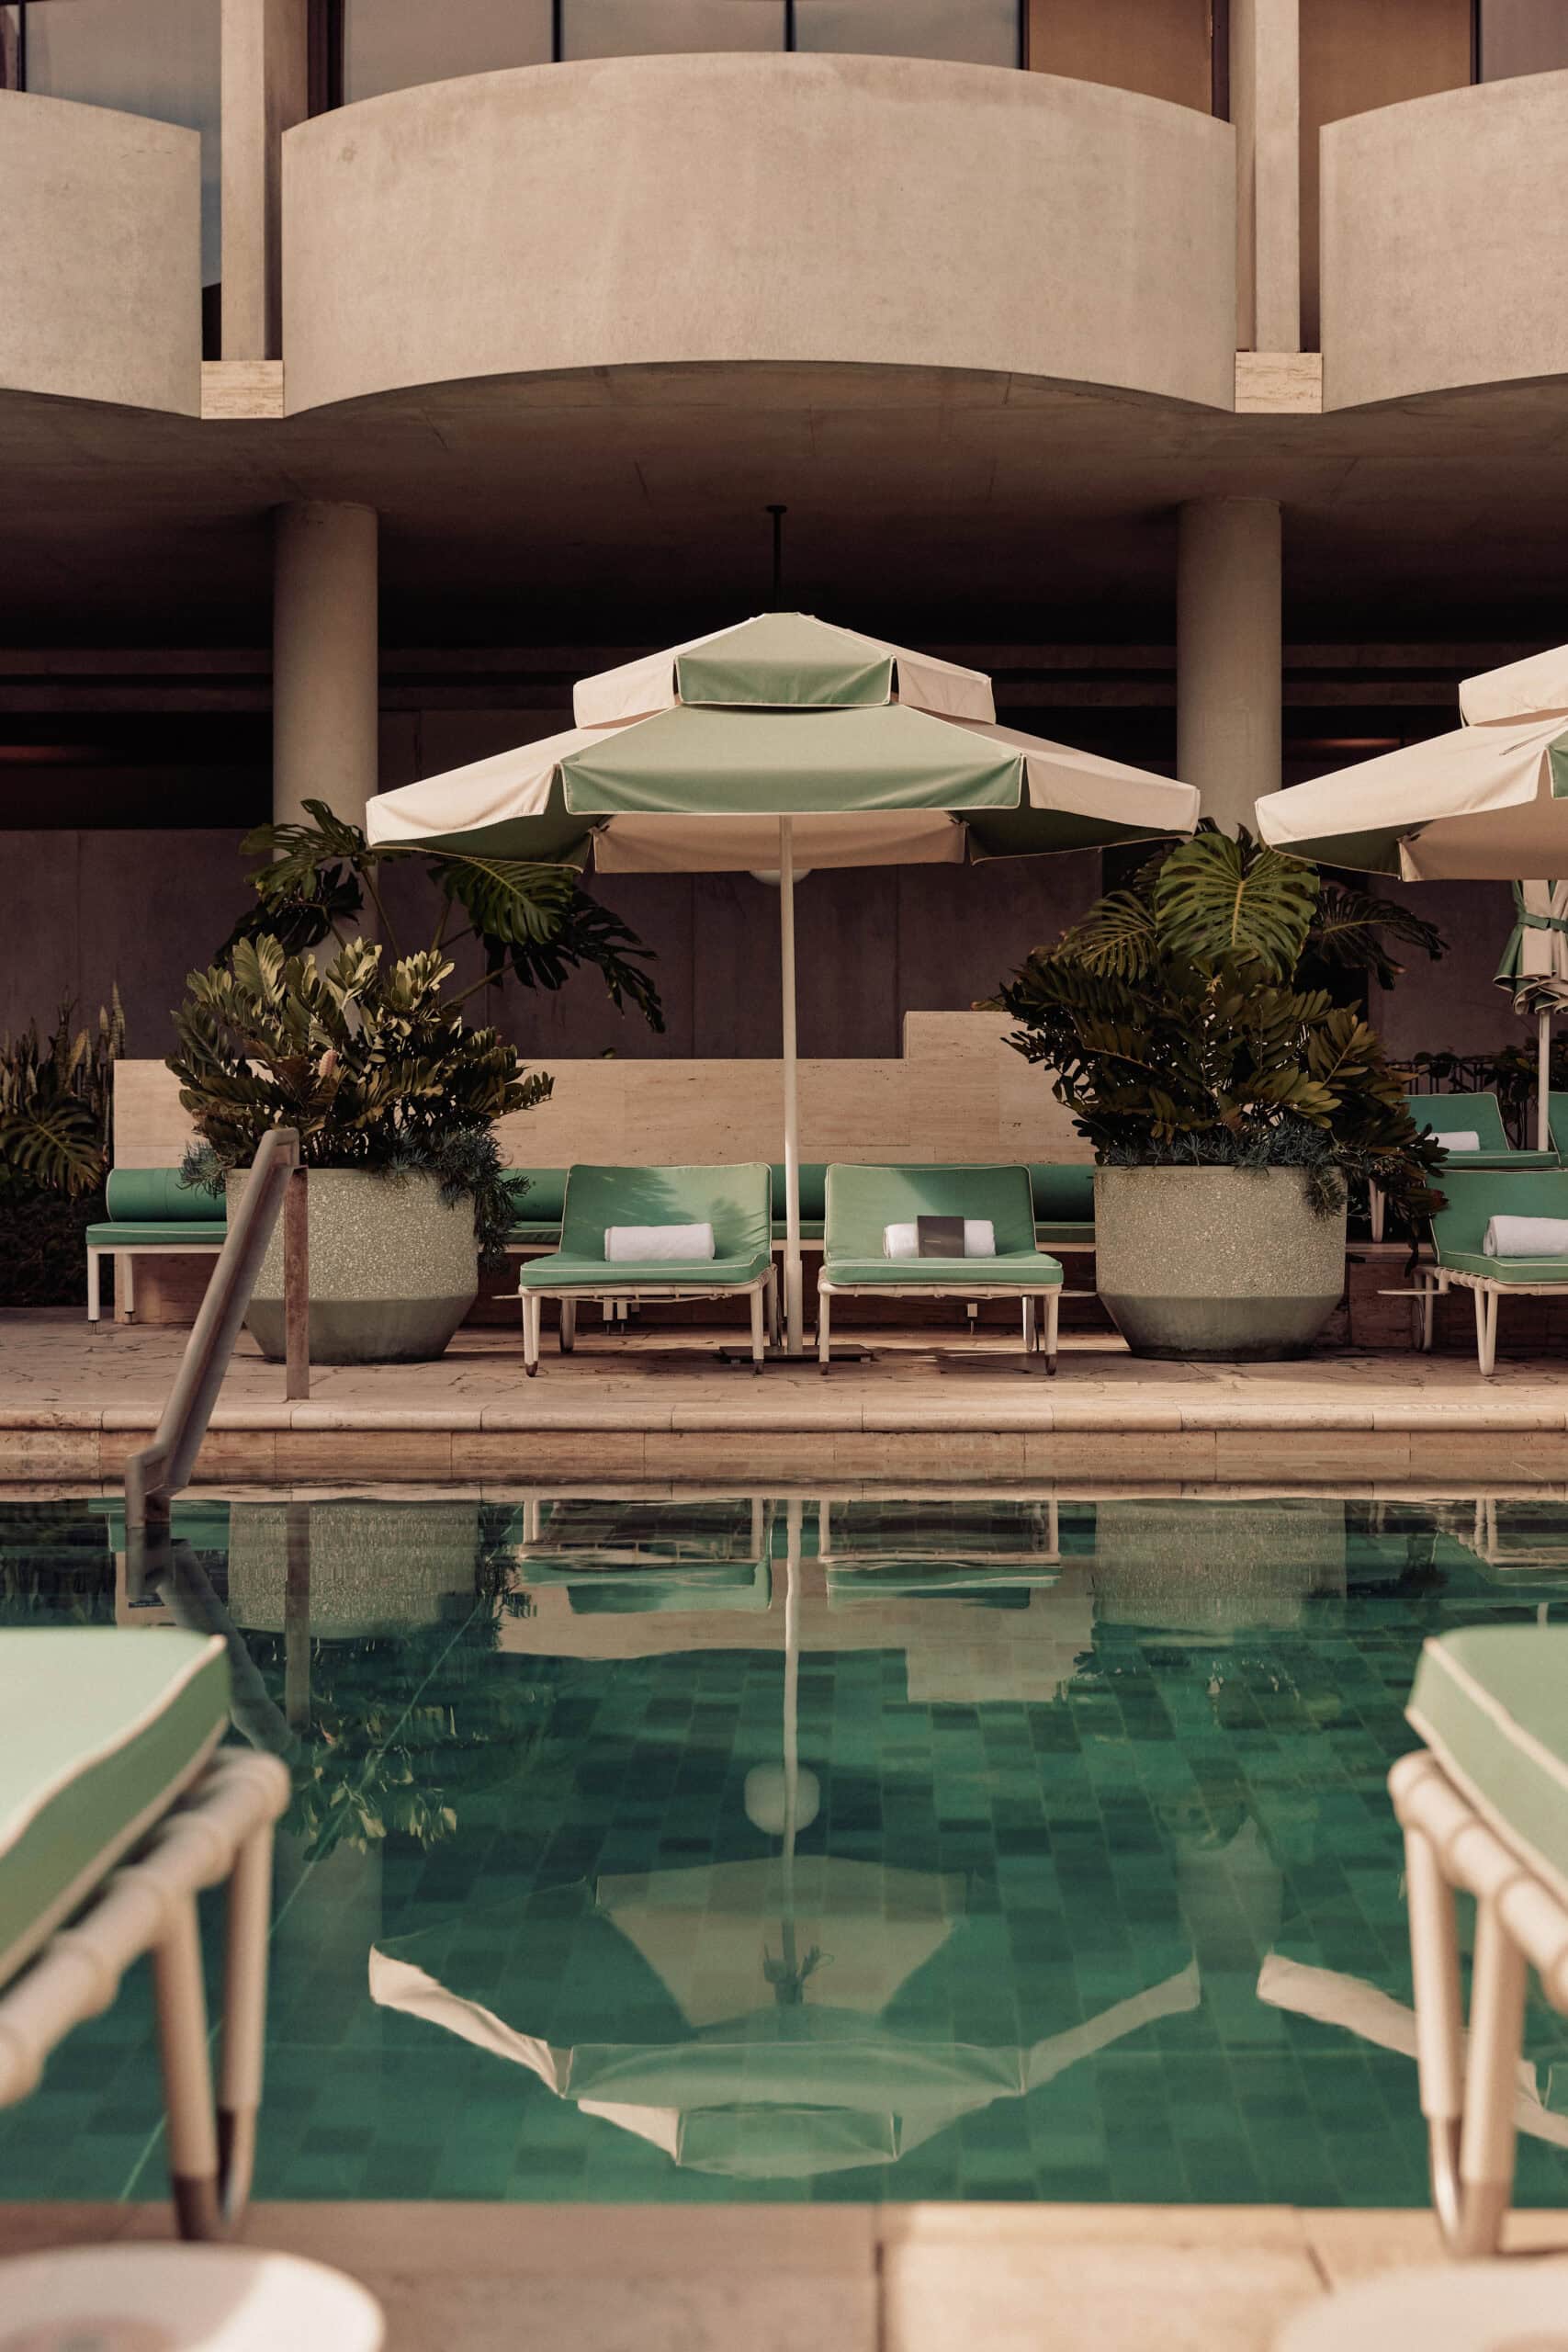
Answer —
863 1200
1019 1270
1488 1703
1475 1198
1069 1231
102 1727
562 1270
156 1196
172 1234
1498 1162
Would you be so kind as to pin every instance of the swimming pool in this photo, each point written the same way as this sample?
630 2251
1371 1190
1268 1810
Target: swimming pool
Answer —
748 1846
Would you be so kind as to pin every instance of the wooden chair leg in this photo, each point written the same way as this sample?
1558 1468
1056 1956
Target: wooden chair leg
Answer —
758 1339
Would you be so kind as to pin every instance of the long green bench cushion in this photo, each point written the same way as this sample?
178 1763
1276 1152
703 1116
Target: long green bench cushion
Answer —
1488 1703
538 1195
734 1201
102 1726
174 1235
1063 1191
863 1201
155 1196
1475 1198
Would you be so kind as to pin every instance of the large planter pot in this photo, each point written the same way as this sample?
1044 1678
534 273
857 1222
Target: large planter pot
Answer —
393 1271
1233 1263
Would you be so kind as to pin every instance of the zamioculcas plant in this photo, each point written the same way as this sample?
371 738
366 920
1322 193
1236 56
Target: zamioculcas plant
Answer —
56 1096
1195 1018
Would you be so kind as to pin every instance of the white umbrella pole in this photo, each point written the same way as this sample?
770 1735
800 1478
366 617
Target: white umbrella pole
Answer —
795 1302
1543 1082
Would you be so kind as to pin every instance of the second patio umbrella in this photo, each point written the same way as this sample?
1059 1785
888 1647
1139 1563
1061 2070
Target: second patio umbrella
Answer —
774 747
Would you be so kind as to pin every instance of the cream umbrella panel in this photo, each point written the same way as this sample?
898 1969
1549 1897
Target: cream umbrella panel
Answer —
780 745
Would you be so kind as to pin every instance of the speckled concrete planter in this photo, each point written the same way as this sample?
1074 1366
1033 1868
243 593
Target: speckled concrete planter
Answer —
1215 1263
392 1272
373 1568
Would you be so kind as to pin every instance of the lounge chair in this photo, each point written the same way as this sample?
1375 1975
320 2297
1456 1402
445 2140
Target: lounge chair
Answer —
151 1213
734 1201
863 1202
115 1807
1485 1809
1458 1235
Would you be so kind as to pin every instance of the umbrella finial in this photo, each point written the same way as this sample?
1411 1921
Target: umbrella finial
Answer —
778 513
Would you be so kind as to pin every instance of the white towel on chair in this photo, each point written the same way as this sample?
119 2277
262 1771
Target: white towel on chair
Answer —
1526 1237
904 1241
1456 1138
627 1244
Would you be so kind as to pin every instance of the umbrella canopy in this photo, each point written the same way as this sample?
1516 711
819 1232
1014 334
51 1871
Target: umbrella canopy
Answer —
770 747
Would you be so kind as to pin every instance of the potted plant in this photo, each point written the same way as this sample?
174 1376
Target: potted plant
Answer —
56 1095
367 1055
1194 1024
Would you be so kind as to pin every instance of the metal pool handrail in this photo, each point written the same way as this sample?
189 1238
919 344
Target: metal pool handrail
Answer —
157 1473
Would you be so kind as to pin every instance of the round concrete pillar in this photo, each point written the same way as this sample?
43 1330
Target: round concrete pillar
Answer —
1228 654
325 659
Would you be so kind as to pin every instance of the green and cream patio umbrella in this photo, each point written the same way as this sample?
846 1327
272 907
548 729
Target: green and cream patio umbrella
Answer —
774 747
1486 803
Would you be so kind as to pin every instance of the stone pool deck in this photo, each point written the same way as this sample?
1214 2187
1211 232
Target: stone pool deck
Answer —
661 1408
463 2278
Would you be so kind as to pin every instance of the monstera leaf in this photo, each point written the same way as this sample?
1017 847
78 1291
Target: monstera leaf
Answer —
1220 899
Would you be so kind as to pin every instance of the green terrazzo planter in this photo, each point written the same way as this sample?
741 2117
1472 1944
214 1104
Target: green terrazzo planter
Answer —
392 1270
1226 1263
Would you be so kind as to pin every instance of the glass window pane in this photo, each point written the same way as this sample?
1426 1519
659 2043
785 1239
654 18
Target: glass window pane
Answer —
971 32
644 28
397 44
150 57
1522 37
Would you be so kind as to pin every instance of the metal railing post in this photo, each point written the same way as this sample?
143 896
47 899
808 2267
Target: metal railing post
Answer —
161 1469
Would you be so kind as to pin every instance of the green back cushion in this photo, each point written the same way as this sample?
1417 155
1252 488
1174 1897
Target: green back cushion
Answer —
1064 1190
156 1196
538 1195
1475 1197
863 1201
102 1723
1473 1113
1558 1105
734 1201
813 1189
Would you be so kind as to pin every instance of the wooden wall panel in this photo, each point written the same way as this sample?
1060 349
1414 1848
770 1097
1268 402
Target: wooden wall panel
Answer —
1355 58
1161 47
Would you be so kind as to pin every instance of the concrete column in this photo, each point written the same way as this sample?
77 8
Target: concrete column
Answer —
325 659
1266 112
1228 654
265 92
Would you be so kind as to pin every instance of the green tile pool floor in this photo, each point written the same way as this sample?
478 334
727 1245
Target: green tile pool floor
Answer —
747 1847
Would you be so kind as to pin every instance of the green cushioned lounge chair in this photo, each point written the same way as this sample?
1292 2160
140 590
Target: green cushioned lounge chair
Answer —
538 1196
1478 1114
1484 1810
734 1201
863 1201
116 1807
1459 1234
150 1212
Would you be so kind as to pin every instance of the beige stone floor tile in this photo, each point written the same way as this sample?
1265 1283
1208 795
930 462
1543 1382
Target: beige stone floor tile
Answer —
389 1417
1352 2246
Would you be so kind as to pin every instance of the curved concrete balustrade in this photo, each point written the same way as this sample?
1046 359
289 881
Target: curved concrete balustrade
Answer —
720 208
100 255
1444 225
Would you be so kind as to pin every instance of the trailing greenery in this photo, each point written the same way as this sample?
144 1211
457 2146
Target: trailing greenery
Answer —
370 1062
56 1097
534 921
1191 1019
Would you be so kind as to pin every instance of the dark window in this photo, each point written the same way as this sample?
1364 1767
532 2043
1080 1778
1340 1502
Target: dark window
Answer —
646 27
970 32
1520 37
397 44
150 57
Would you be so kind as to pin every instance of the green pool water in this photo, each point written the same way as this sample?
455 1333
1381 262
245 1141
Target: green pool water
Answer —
747 1847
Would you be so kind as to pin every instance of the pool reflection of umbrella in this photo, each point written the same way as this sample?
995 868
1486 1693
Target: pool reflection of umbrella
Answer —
733 2015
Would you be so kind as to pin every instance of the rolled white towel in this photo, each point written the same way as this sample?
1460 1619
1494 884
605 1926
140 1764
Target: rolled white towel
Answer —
1526 1237
627 1244
1456 1138
904 1241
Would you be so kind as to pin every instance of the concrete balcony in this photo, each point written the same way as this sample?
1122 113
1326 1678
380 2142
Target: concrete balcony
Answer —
723 209
100 262
1445 222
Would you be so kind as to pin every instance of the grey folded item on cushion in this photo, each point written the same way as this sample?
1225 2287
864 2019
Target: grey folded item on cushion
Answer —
628 1244
904 1241
1526 1237
1456 1138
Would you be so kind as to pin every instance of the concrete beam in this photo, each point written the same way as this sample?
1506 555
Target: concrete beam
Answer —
266 91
